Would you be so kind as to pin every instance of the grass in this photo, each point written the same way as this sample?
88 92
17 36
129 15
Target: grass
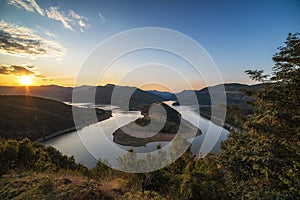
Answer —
32 185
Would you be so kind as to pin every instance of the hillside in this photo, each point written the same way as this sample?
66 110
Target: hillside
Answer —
117 95
166 95
34 117
45 91
238 108
233 92
52 186
148 129
32 171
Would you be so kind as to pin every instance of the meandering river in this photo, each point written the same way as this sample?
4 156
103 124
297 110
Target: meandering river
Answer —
96 141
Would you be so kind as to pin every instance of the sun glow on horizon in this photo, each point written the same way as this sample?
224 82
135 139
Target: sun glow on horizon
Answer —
25 80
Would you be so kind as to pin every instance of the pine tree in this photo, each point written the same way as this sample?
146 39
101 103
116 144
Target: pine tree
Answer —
264 163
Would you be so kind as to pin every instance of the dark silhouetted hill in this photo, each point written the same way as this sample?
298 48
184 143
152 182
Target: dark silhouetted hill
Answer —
35 117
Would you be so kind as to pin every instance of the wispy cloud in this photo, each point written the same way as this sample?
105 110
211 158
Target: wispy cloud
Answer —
29 5
20 70
101 16
22 41
70 21
49 34
36 7
74 15
79 20
46 32
54 13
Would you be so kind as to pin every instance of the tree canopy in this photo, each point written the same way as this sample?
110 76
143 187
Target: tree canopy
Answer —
264 163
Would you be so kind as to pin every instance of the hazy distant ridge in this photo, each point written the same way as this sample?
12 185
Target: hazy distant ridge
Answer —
138 97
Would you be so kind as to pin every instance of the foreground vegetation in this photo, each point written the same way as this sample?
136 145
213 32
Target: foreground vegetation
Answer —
32 170
263 162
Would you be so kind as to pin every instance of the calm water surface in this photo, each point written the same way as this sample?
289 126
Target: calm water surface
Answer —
96 140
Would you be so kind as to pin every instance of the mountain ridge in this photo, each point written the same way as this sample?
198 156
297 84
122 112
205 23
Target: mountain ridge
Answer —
137 97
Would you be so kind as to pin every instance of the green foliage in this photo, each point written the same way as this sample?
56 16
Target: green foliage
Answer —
26 155
147 195
261 163
51 186
264 163
173 124
102 170
172 119
186 178
236 116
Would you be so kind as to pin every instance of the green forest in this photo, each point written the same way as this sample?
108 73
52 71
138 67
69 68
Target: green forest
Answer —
261 162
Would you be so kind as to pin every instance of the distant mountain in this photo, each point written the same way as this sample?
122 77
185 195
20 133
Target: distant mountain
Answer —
233 92
48 91
166 95
117 95
88 94
121 95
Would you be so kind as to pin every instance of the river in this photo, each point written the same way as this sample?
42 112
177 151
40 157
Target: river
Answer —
96 141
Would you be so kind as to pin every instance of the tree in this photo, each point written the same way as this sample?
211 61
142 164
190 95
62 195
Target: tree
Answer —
264 163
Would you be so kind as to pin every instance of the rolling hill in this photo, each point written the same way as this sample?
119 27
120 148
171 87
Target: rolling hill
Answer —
117 95
233 92
35 117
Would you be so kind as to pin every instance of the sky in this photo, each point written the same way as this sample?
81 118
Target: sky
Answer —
51 41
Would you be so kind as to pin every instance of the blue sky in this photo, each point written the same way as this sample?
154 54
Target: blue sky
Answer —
237 34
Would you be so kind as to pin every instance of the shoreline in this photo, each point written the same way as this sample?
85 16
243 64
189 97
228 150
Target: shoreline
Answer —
103 117
217 122
122 138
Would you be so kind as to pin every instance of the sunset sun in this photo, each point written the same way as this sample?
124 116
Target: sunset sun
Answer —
25 80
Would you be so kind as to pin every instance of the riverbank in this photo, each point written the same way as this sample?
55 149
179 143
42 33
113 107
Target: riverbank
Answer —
122 138
125 135
100 117
145 130
220 122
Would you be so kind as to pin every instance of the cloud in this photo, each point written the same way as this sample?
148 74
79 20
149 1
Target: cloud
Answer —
36 7
21 4
74 15
29 5
53 13
70 21
45 32
22 41
40 76
20 70
101 16
78 20
49 34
